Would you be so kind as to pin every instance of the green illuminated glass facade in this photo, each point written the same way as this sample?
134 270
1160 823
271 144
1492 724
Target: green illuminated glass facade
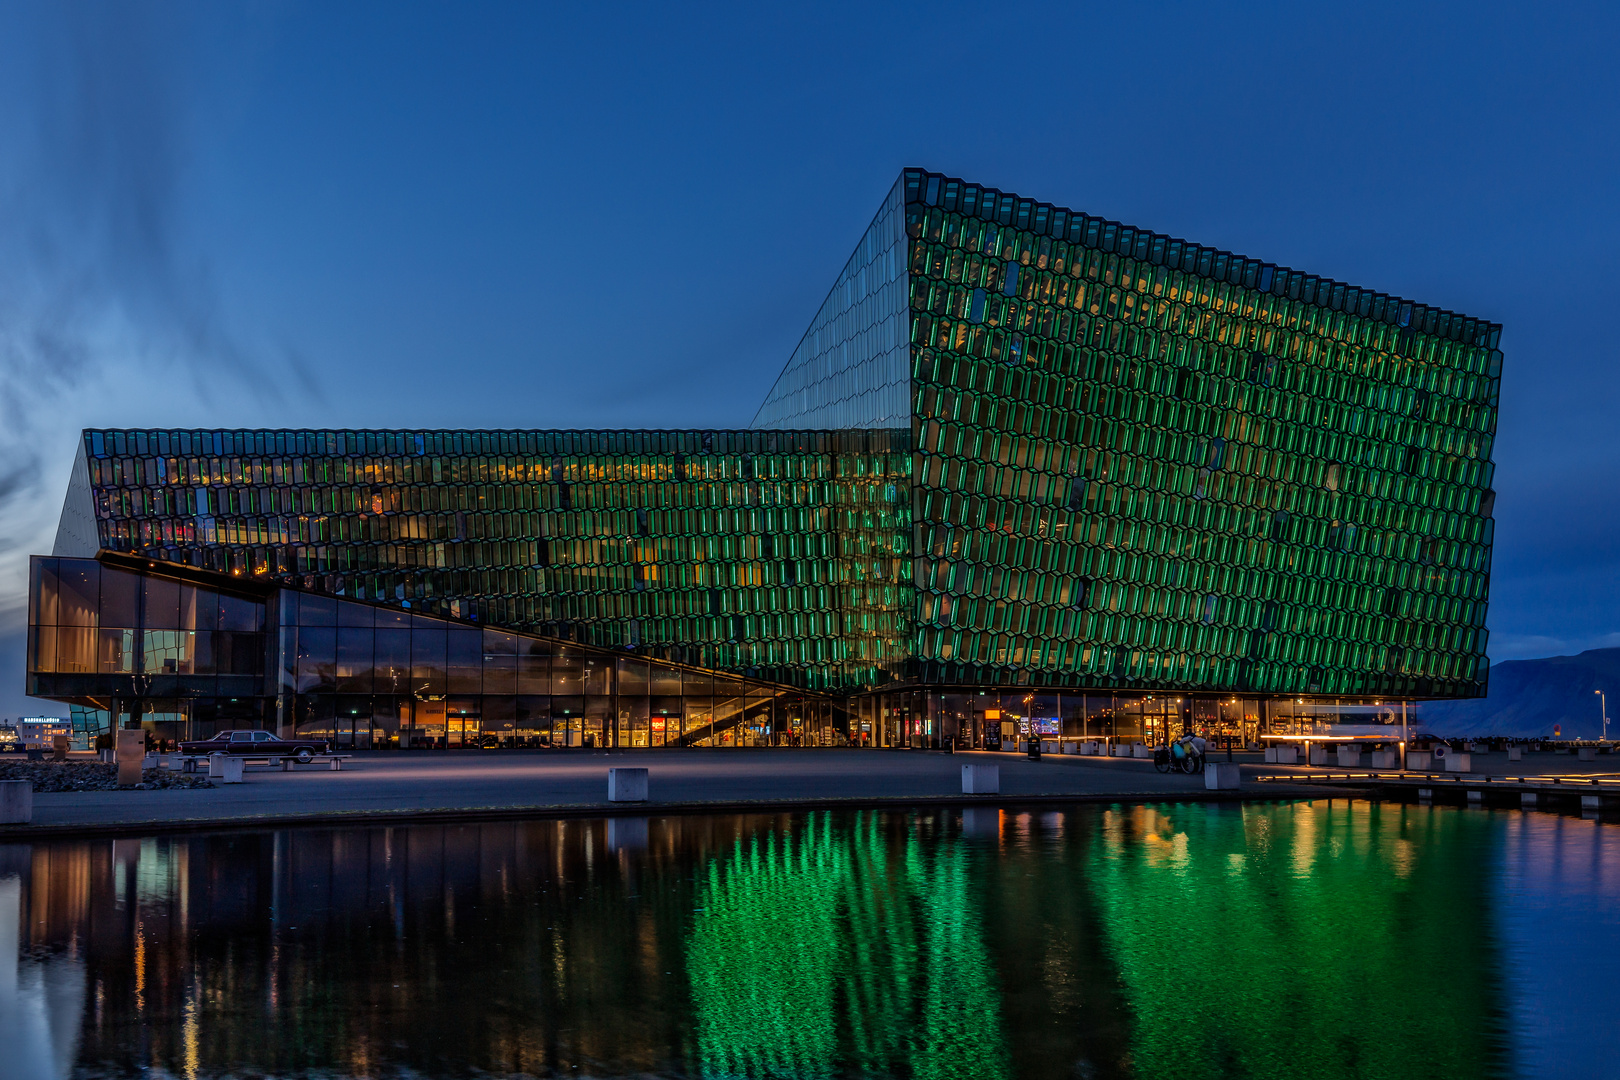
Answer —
1145 462
1091 468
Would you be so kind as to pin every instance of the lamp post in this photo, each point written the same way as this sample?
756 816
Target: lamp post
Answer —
1603 703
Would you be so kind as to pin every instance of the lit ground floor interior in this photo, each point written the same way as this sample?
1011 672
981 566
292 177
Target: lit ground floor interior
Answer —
714 711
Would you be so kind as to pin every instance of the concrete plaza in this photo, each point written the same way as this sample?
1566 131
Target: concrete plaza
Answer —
384 785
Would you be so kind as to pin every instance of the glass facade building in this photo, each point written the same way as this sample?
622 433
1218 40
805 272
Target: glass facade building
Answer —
1027 469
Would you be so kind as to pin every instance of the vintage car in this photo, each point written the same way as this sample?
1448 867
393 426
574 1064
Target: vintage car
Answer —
255 743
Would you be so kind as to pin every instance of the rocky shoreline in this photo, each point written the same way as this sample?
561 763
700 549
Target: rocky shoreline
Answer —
50 777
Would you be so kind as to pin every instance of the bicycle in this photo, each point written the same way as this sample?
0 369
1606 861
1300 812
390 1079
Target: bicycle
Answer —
1165 761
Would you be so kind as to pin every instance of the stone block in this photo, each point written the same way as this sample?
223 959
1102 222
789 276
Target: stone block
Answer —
1319 755
16 802
1121 750
59 747
1383 759
1141 750
216 765
1222 776
1586 753
981 779
1419 761
1515 753
231 769
131 746
627 785
1009 746
1287 755
1459 763
1349 756
1271 755
1071 747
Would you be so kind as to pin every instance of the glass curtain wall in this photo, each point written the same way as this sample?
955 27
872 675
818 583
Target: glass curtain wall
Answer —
1142 459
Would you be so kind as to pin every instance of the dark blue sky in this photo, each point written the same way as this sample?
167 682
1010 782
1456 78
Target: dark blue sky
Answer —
533 216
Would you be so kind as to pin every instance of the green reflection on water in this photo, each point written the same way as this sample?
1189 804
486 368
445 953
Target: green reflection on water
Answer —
835 950
1349 940
1312 940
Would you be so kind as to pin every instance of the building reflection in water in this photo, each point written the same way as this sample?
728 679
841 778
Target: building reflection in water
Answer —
1307 940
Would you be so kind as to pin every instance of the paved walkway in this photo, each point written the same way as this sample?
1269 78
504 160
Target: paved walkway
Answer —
388 785
394 784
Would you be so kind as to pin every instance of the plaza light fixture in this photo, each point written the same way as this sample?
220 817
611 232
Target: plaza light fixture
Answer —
1603 703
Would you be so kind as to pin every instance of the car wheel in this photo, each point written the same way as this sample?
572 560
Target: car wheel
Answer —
304 755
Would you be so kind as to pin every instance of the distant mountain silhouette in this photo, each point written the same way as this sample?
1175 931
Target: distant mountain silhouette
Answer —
1528 697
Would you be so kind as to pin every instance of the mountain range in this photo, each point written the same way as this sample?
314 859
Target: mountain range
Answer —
1528 698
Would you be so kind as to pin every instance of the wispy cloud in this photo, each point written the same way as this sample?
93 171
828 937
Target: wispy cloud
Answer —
98 282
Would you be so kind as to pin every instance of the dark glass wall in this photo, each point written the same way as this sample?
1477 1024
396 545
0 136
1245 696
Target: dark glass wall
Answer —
366 675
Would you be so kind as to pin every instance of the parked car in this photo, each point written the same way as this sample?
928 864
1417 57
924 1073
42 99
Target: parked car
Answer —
255 743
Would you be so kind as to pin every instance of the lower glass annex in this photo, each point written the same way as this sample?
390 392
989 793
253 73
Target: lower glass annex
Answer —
188 653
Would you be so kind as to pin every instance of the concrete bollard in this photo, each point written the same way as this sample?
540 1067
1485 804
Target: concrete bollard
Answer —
981 779
216 766
1009 746
1288 755
1318 755
1271 755
231 769
1349 757
1071 747
131 752
1586 753
1459 763
1141 750
1383 759
1515 753
1222 776
1121 750
627 785
1419 761
16 802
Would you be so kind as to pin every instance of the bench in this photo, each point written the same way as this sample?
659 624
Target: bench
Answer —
285 762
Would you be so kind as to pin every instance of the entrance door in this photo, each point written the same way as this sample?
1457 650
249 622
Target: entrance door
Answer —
463 730
429 727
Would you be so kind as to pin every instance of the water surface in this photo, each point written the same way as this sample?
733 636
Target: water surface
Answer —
1310 940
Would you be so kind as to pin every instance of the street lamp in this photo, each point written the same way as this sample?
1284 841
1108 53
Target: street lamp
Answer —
1603 703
